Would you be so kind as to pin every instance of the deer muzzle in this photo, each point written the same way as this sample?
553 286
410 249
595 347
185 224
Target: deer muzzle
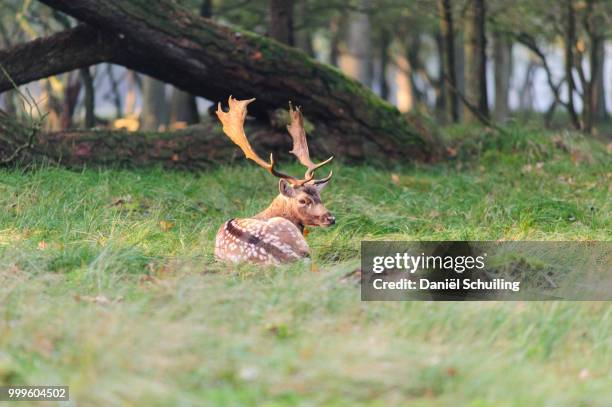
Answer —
328 219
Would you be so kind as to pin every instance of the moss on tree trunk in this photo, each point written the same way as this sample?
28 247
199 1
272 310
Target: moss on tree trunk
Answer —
166 41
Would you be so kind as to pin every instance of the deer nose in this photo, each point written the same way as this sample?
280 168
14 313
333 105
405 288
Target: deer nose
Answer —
331 219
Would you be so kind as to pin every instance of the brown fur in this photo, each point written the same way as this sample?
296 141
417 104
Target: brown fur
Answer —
275 235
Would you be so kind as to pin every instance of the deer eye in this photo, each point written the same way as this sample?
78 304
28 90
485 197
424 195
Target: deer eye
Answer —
303 201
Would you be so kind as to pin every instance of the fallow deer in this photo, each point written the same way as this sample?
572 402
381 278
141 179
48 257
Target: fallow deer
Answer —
276 234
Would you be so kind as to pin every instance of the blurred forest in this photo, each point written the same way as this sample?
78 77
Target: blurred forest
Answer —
486 61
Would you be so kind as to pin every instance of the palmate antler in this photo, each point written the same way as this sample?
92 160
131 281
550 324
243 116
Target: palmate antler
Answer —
233 127
300 145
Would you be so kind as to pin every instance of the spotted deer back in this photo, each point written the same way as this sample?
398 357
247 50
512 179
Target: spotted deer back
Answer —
275 240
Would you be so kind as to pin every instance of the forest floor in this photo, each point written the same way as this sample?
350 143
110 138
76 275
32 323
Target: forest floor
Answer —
108 285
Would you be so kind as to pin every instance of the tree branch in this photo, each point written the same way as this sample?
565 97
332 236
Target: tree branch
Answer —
79 47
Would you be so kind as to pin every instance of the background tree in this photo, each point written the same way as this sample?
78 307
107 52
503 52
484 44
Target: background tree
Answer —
476 60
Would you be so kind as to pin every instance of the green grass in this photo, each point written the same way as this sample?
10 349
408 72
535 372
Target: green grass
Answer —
108 284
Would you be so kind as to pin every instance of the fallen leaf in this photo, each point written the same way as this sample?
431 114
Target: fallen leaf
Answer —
145 278
165 225
42 245
395 179
98 299
121 200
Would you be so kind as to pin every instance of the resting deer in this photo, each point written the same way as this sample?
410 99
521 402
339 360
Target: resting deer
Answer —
276 234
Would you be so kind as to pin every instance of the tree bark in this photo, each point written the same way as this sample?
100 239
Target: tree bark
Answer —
337 27
594 93
116 94
502 57
166 41
303 37
404 90
183 108
357 61
76 48
183 105
476 59
449 80
69 101
570 41
154 105
599 89
385 43
281 21
89 98
192 148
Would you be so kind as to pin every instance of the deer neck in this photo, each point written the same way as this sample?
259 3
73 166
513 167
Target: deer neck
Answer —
280 207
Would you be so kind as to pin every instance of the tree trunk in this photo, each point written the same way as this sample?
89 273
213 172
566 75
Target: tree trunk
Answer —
440 85
385 42
570 41
336 29
593 99
303 37
63 52
131 93
404 97
502 57
476 60
116 93
526 90
153 104
89 98
9 105
357 61
166 41
69 102
192 148
206 8
460 70
281 21
183 109
599 89
183 105
413 54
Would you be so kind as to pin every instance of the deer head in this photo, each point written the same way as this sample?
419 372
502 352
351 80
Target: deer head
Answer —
300 198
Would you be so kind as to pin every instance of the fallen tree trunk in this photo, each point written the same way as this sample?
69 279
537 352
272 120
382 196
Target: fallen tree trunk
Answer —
77 48
196 147
166 41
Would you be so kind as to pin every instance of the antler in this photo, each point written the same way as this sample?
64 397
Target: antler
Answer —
233 127
300 146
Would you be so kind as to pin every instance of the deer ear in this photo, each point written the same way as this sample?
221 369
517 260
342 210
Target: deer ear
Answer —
285 188
321 185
